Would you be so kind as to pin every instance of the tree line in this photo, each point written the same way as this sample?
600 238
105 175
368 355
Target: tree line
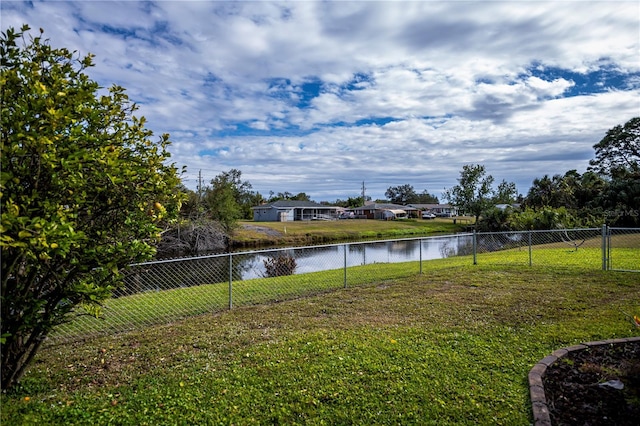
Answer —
607 193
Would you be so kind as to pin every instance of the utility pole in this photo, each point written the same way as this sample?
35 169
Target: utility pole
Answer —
199 184
364 200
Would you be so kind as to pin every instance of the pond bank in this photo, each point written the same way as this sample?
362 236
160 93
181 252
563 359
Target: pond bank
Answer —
273 234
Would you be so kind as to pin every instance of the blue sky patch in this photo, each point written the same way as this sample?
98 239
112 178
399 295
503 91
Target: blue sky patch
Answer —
245 129
607 77
308 91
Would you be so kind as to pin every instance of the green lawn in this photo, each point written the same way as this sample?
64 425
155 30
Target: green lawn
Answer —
451 346
153 308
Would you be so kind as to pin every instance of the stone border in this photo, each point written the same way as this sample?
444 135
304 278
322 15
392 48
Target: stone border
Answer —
536 387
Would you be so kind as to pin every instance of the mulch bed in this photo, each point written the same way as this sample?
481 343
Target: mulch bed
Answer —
595 386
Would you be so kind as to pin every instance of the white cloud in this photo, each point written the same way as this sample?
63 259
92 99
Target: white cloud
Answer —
442 83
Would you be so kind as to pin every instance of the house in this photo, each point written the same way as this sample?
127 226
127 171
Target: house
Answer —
290 210
384 211
440 210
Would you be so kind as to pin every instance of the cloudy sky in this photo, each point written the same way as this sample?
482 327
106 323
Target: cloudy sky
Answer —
319 97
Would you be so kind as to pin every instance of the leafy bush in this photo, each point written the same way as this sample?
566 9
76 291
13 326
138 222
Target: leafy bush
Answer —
83 191
280 266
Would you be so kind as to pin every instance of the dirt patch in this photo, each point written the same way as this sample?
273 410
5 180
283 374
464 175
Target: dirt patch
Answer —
272 233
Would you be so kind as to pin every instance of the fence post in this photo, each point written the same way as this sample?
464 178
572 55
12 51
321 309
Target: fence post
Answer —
345 265
530 260
230 281
475 260
605 260
420 242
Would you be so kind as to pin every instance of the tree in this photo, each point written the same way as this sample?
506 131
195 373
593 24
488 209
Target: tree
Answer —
618 160
473 193
192 208
301 196
551 192
589 190
350 202
241 191
619 150
506 193
426 198
83 189
220 200
403 194
542 218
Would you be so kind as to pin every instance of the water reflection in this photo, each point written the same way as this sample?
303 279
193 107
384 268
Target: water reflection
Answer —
314 259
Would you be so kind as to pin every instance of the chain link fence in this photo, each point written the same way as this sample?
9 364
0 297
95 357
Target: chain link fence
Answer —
164 291
621 249
564 247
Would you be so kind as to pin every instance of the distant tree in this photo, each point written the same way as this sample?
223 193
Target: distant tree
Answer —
280 196
255 199
473 194
495 220
551 192
301 196
619 151
355 202
589 189
506 193
403 194
542 218
222 200
241 190
206 220
426 198
618 161
192 205
348 203
83 191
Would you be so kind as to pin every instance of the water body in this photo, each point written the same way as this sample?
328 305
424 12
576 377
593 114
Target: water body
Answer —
322 258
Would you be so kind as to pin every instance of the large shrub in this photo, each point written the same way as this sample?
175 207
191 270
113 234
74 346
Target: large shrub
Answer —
83 189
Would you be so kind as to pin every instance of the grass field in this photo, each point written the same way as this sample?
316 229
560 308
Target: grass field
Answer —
317 231
451 346
161 307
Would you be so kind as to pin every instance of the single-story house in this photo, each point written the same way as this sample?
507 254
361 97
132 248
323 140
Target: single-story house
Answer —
384 211
291 210
440 210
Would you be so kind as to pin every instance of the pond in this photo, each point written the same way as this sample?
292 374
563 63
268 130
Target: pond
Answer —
321 258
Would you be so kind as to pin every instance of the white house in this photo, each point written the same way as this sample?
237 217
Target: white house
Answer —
384 211
440 210
291 210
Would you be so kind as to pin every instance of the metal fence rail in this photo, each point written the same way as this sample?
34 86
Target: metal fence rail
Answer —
165 291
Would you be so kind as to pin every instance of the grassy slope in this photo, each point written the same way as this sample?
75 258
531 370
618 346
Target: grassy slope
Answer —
453 345
312 232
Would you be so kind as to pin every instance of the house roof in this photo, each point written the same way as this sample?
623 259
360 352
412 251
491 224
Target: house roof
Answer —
288 204
384 206
432 206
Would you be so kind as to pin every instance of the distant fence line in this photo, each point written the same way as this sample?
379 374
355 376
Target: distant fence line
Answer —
168 290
